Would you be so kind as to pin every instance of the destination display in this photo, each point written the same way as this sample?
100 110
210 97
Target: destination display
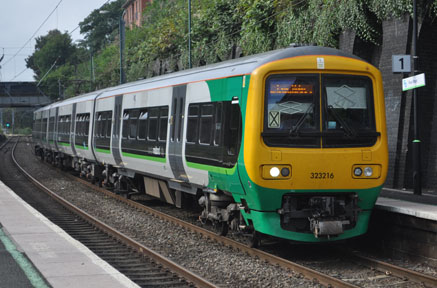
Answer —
286 88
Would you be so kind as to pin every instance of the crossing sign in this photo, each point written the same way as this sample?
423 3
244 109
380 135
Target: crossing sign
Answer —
274 119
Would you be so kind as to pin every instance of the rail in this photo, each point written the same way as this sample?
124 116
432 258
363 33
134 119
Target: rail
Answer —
172 266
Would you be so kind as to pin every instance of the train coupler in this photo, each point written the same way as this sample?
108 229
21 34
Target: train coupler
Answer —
327 228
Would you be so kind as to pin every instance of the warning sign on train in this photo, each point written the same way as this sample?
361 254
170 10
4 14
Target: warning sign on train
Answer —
274 119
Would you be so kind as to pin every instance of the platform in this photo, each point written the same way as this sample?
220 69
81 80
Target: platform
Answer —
405 202
34 252
405 225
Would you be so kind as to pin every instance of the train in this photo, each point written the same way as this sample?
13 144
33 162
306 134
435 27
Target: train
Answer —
289 143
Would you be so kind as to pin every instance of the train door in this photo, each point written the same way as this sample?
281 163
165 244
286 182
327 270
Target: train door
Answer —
73 130
55 132
116 128
177 133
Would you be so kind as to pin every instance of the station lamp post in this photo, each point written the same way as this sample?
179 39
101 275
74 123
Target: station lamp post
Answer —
121 33
122 38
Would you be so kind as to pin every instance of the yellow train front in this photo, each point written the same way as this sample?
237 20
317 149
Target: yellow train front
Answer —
315 146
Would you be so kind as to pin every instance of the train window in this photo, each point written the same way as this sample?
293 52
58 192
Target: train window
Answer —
163 123
87 124
142 126
206 121
133 122
125 124
102 131
291 102
60 121
234 130
291 110
218 124
108 124
193 120
348 109
152 133
99 125
78 128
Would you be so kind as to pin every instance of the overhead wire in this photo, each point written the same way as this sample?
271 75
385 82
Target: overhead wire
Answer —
70 33
33 35
206 44
30 39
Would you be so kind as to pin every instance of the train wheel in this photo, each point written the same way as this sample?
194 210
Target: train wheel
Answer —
254 240
222 228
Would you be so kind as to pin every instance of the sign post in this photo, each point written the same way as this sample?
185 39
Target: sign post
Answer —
417 173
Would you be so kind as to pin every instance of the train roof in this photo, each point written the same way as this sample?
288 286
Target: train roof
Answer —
240 66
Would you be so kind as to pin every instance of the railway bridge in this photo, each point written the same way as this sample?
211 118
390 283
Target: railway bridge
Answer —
25 96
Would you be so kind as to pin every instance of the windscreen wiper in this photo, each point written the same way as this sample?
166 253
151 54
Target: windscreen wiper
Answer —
301 120
348 129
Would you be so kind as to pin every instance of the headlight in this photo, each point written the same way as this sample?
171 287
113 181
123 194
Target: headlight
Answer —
368 171
274 172
358 171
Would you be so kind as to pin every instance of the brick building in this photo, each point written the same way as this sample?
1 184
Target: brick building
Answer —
133 11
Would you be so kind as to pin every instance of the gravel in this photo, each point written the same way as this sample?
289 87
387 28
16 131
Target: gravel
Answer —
219 264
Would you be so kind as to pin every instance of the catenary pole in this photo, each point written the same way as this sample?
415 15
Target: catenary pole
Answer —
417 174
189 35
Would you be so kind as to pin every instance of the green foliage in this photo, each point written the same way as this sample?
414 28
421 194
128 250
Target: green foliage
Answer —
215 31
258 25
221 29
55 46
101 26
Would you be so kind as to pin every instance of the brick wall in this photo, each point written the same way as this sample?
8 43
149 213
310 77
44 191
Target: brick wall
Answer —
427 97
396 39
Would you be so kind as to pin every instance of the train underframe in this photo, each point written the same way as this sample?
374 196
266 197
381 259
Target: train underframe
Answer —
324 215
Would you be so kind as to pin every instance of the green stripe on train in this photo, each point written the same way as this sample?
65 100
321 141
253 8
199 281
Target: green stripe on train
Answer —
144 157
81 147
105 151
214 169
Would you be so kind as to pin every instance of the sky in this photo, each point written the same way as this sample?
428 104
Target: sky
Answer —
20 19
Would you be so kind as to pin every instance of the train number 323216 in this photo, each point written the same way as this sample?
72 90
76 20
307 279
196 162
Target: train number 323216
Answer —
321 175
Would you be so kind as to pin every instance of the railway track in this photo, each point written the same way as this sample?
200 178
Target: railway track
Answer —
386 268
140 264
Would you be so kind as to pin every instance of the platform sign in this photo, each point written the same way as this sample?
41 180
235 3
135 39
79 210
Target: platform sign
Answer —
401 63
415 81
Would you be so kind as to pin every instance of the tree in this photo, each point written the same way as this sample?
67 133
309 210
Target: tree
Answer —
100 27
55 46
54 49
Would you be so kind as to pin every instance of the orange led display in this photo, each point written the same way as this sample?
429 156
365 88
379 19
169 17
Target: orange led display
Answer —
291 89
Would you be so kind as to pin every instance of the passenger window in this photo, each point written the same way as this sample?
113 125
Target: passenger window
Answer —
142 126
235 128
152 134
192 126
163 123
218 124
87 124
133 122
206 120
108 124
125 124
